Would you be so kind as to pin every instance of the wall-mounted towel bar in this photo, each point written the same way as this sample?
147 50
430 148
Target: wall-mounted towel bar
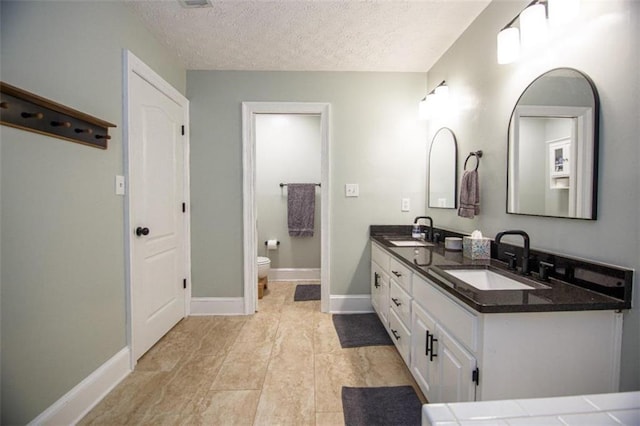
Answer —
27 111
477 154
285 184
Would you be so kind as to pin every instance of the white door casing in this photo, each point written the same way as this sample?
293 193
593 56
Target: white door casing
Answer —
250 251
157 168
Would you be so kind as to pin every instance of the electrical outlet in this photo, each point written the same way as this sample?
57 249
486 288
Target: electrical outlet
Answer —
406 205
351 190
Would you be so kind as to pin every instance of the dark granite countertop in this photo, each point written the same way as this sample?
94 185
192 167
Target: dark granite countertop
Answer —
547 296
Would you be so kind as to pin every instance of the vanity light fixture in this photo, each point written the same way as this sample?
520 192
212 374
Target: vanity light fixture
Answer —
562 11
508 45
532 26
435 99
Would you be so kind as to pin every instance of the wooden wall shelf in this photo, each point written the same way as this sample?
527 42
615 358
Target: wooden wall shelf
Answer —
27 111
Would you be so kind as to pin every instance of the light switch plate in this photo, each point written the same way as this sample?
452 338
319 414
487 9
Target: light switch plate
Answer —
120 188
406 205
351 190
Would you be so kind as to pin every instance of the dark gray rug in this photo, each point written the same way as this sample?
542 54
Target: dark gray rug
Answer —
306 292
355 330
395 405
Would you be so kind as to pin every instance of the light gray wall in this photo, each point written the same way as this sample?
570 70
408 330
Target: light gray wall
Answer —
63 291
604 44
377 141
288 150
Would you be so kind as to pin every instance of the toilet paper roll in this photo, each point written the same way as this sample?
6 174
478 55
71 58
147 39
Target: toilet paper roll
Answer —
272 244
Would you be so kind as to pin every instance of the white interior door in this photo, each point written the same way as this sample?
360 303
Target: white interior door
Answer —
157 218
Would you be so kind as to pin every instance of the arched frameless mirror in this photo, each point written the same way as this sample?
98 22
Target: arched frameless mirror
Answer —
553 147
443 168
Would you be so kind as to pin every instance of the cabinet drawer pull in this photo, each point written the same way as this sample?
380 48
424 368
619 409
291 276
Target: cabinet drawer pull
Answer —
396 301
395 334
396 273
433 352
426 344
375 279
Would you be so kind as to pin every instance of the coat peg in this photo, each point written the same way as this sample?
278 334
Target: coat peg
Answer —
66 124
37 115
107 137
4 105
89 131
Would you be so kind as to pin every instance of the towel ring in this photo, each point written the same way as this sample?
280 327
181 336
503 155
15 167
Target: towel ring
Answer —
478 155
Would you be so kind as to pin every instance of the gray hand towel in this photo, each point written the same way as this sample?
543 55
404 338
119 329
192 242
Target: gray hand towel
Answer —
469 195
301 205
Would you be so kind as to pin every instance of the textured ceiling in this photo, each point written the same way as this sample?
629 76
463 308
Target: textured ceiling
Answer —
309 35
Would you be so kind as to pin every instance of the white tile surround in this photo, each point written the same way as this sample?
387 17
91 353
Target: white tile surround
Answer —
601 409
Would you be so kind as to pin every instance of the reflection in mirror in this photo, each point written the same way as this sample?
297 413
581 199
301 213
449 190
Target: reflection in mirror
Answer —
443 170
553 147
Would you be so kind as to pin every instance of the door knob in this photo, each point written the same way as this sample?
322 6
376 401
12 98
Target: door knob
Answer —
140 231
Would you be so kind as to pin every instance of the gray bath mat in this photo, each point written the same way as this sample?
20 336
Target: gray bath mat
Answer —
395 405
305 292
355 330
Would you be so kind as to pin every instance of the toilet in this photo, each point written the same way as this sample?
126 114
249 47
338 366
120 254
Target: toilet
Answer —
264 264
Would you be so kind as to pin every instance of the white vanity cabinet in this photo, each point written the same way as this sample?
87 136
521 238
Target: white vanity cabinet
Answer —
459 354
391 298
380 283
443 368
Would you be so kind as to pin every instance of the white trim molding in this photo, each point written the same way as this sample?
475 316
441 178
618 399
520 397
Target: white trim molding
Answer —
217 306
294 274
76 403
351 304
250 245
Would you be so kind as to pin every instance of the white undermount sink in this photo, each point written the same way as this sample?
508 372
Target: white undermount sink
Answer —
410 243
484 279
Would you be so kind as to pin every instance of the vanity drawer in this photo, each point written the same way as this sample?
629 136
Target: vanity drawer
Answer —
400 302
380 257
457 320
400 274
400 335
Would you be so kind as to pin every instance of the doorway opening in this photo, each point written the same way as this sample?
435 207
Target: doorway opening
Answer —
300 253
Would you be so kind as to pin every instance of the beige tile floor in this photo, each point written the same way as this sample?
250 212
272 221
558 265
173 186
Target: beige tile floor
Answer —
283 365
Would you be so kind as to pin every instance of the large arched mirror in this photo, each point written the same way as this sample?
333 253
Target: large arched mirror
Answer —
553 147
443 170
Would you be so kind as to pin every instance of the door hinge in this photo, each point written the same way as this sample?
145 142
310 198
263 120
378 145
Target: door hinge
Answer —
184 207
184 283
182 130
475 376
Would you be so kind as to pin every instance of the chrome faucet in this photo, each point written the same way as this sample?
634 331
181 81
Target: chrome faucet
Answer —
430 234
525 250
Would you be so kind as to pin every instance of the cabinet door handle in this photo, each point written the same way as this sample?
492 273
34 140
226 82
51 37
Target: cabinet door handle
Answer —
396 273
426 344
433 352
395 334
375 279
396 301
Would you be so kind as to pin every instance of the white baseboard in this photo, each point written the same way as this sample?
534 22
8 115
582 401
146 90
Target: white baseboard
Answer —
354 304
76 403
217 306
294 274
